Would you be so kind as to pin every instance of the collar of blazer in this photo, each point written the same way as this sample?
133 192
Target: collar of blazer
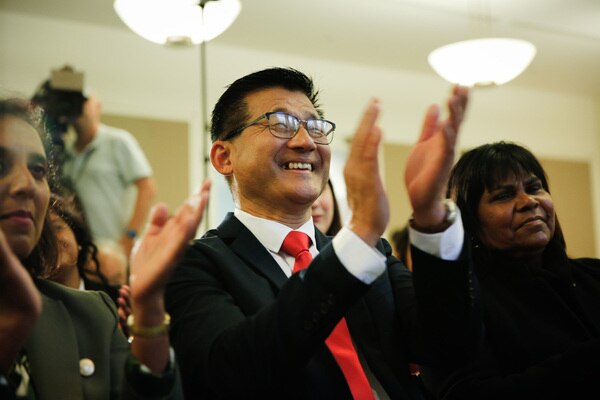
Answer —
52 348
242 242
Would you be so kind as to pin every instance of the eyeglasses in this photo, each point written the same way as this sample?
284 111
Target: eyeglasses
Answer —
286 126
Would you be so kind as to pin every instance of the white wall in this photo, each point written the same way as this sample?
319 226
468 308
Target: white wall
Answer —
136 77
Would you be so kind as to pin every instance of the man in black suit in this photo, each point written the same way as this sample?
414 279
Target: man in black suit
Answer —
245 326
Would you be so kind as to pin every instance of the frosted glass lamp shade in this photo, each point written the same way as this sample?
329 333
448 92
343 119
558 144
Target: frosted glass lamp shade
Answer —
482 62
177 22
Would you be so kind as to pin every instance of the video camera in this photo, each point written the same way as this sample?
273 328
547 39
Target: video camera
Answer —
62 99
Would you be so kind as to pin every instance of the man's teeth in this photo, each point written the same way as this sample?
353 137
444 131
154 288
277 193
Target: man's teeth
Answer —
299 165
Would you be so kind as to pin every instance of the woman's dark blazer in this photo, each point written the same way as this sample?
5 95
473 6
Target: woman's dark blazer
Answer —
81 325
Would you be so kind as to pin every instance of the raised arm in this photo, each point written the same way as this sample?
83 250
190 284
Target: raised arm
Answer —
366 195
152 263
430 161
146 191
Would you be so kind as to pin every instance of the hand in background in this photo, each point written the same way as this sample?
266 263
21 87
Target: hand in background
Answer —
20 305
126 244
431 159
366 196
124 308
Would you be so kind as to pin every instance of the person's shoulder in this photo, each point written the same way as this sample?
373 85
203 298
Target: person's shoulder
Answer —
204 253
112 133
210 240
217 241
56 290
587 262
74 298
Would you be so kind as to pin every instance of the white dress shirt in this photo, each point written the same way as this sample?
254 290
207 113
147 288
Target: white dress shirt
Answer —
366 263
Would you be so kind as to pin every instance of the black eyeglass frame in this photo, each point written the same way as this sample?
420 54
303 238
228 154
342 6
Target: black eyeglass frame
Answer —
328 135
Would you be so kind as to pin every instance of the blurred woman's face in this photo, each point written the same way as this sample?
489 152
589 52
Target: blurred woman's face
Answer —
322 210
517 215
24 190
68 249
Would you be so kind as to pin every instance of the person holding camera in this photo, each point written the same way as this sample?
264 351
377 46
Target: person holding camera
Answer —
104 166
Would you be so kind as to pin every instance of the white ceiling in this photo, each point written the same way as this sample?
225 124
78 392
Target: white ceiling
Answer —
398 34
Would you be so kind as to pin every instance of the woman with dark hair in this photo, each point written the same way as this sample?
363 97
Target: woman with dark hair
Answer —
59 343
540 308
326 213
78 266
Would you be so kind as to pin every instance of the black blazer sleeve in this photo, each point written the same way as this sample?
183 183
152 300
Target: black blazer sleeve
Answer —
447 319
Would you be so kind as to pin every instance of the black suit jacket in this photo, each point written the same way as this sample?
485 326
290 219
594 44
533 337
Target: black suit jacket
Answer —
242 329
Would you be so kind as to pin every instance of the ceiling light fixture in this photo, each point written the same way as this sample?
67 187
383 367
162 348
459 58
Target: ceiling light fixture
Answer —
482 62
178 22
486 61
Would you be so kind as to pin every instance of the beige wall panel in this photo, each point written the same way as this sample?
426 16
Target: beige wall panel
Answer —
394 158
571 187
165 143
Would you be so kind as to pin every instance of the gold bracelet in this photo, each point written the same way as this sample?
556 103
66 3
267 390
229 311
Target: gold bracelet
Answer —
148 331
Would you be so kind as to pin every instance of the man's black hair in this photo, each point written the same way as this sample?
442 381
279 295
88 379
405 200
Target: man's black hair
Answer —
231 110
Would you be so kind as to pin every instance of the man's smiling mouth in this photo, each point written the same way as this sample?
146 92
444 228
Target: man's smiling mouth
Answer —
303 166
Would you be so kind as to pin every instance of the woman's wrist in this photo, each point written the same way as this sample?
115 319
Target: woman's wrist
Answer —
148 311
436 221
142 330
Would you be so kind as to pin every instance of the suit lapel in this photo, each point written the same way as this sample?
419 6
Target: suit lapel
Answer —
54 366
246 246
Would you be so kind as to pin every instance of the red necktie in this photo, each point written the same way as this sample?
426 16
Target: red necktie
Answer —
339 342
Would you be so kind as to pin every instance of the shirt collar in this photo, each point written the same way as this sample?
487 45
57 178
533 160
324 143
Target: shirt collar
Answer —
271 233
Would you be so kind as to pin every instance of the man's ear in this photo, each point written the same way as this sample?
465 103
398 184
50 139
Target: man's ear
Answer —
220 157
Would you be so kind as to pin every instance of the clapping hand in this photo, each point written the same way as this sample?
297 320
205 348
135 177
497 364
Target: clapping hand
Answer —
366 196
154 256
431 159
152 262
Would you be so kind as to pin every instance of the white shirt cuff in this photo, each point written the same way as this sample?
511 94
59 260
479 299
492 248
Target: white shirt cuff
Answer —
147 371
446 245
366 263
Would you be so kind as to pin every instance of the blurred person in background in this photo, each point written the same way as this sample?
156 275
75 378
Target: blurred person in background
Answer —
78 263
105 166
326 212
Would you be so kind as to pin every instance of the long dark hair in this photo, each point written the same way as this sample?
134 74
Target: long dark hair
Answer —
480 168
336 221
45 253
